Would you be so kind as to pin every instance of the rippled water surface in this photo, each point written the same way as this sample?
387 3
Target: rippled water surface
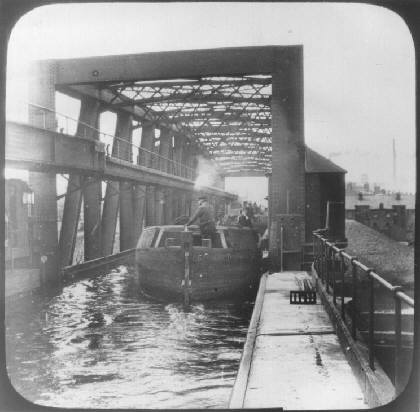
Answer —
100 343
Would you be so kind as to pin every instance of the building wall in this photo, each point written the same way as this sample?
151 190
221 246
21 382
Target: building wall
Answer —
313 219
320 189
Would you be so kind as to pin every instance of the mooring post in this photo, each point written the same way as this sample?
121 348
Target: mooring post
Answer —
186 241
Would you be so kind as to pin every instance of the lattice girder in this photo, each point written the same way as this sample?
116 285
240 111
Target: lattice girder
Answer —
229 116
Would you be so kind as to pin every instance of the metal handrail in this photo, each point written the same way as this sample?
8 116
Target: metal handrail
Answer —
184 170
325 252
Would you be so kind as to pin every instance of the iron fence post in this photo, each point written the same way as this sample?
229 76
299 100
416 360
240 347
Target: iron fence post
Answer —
342 270
397 353
319 256
313 250
354 298
327 269
333 272
371 321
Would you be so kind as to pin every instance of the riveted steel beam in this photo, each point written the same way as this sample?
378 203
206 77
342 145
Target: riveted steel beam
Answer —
36 149
170 65
89 112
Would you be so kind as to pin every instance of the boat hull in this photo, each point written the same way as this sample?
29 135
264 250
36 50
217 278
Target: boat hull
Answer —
213 274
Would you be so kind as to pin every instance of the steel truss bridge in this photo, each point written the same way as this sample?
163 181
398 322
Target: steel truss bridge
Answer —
240 110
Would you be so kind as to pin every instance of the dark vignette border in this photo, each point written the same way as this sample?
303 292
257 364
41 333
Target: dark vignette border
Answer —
12 10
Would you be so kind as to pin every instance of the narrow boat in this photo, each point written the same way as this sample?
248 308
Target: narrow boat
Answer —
174 264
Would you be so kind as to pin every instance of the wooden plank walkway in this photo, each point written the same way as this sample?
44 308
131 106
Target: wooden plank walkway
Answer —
292 357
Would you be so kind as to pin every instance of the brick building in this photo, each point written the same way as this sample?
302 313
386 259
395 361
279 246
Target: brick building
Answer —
396 222
392 214
324 182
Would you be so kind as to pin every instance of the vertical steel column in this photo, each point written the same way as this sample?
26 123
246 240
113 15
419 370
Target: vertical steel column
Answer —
178 153
127 240
139 208
159 205
89 114
139 191
169 209
45 213
188 202
112 193
109 217
150 206
186 159
147 142
176 203
42 92
288 147
177 157
183 203
124 132
71 214
92 188
161 200
92 217
165 149
193 162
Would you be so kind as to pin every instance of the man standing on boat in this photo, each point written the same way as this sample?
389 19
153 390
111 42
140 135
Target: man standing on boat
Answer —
204 214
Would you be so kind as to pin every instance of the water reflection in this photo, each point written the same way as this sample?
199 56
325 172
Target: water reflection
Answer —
99 343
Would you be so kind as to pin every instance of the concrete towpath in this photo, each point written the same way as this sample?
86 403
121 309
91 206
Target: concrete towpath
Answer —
292 357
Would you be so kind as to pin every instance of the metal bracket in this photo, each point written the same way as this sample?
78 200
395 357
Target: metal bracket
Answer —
305 297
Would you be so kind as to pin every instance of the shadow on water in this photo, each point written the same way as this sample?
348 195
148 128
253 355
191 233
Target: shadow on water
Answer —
99 343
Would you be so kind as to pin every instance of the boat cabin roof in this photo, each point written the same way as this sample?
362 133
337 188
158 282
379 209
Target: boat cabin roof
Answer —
225 237
194 228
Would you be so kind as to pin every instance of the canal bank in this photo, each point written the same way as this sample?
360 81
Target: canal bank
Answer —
292 357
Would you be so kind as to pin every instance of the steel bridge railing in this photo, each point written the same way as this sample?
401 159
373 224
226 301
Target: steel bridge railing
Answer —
116 147
330 261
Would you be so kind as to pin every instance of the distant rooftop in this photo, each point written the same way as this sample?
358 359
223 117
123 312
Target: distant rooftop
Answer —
316 163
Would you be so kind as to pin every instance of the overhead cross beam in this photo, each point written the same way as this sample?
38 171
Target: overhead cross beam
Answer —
213 97
197 98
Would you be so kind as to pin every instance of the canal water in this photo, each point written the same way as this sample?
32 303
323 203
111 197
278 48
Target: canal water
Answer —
99 343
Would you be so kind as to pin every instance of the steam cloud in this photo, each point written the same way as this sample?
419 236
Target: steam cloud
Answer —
206 173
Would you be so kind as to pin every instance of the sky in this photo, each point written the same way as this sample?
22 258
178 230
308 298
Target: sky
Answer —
359 74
